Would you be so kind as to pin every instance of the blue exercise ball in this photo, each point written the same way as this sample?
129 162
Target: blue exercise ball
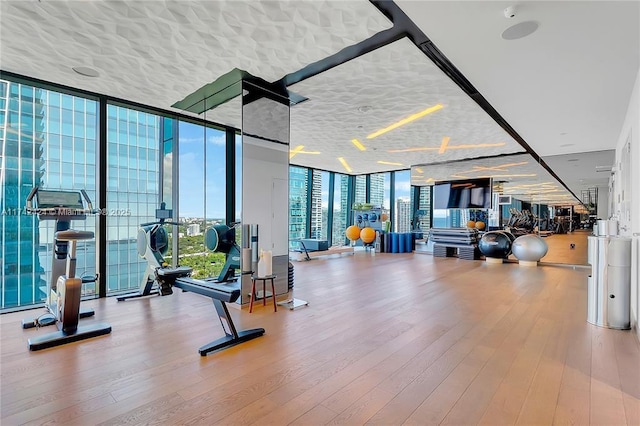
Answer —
495 244
530 248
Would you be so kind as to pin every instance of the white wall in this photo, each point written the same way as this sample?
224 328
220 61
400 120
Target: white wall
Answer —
631 221
261 165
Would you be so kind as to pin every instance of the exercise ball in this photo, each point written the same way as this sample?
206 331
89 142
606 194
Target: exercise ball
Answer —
480 225
367 235
384 217
353 233
471 224
529 249
495 244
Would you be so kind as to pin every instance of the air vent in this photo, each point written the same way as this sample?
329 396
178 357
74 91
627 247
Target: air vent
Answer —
605 169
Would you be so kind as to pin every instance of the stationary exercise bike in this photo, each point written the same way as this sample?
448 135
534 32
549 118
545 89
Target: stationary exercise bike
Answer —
64 291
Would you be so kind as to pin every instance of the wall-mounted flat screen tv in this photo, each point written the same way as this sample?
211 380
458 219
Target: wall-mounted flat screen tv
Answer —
462 194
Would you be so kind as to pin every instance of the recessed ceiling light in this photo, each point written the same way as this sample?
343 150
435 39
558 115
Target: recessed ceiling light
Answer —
520 30
563 133
86 71
345 164
358 144
406 120
365 108
564 145
573 159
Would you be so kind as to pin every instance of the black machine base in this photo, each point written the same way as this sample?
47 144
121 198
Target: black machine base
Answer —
136 295
58 338
48 319
229 340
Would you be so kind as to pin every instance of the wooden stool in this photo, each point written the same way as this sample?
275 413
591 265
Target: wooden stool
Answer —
264 279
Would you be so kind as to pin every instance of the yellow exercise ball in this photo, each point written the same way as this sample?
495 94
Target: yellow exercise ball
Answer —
471 224
480 225
353 232
367 235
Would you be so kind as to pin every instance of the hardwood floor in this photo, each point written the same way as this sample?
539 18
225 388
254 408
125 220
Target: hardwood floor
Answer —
388 339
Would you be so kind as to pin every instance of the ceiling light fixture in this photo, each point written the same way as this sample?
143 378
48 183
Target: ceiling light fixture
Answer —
295 151
404 121
419 170
389 163
443 145
448 147
358 144
86 71
501 176
345 164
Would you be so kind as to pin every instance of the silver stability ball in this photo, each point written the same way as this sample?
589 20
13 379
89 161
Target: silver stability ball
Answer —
529 248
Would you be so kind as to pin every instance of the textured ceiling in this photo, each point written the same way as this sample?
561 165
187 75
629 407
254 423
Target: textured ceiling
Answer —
564 88
381 88
519 175
157 52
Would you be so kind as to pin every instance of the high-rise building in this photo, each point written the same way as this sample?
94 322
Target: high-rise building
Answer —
402 222
316 206
298 192
376 189
360 194
50 139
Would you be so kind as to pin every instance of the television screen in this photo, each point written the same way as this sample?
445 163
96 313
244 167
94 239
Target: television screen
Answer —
462 194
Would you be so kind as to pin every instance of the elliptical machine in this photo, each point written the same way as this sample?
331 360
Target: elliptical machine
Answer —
63 291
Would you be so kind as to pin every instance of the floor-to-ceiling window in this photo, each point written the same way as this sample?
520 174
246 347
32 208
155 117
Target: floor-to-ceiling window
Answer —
340 209
403 210
423 215
47 139
298 195
360 193
133 149
319 204
201 195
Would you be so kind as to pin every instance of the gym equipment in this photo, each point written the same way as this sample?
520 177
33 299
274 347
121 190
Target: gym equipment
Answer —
63 291
495 244
529 249
153 243
220 292
222 239
353 233
480 225
471 224
367 235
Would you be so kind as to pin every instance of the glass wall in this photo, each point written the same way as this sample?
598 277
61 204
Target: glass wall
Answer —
424 207
360 194
133 141
298 195
403 210
47 139
319 204
340 209
201 195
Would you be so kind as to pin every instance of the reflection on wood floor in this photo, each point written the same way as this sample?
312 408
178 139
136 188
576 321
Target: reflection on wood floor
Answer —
561 251
386 339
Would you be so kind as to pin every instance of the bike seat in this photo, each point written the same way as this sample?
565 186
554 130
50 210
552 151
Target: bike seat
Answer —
73 235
